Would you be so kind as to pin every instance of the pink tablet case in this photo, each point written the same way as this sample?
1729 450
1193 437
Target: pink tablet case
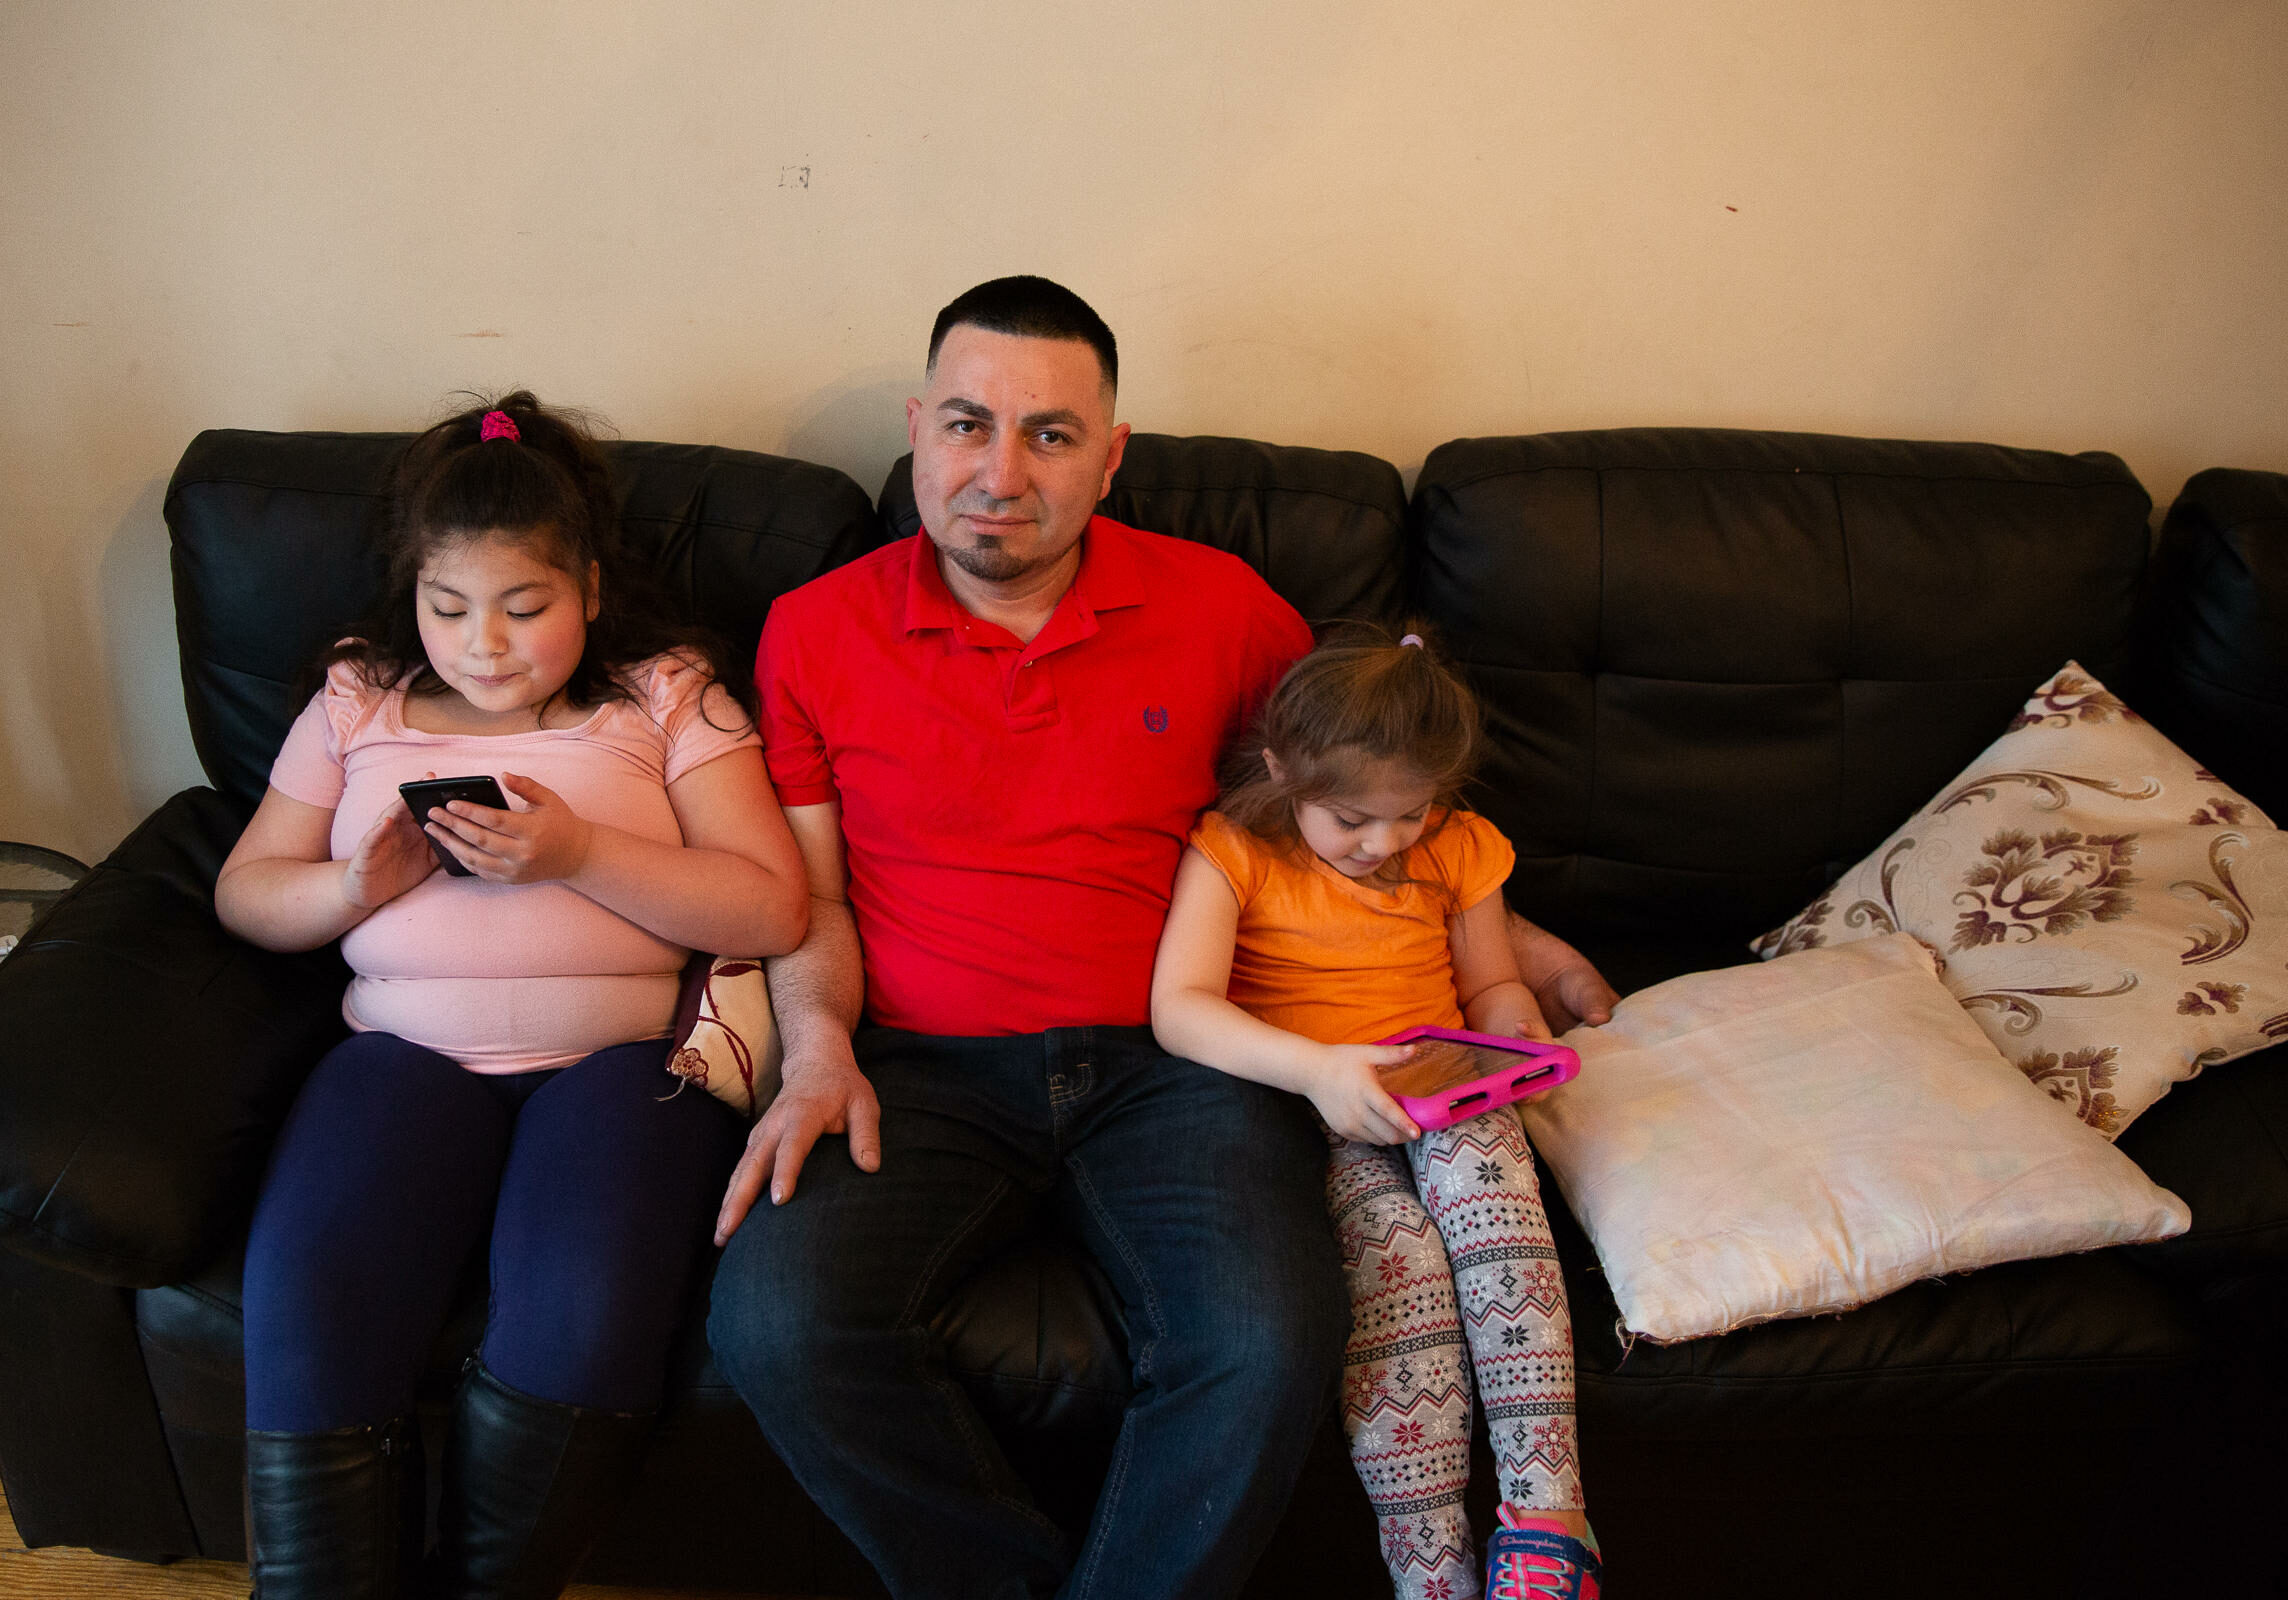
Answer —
1539 1067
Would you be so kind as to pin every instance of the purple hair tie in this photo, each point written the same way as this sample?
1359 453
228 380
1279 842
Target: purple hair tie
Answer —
498 425
1414 639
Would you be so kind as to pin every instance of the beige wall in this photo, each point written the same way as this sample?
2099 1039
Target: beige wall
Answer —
2041 222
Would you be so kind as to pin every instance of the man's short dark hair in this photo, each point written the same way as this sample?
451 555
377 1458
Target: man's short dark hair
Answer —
1030 308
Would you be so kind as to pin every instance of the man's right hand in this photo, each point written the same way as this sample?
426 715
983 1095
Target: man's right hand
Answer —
827 1094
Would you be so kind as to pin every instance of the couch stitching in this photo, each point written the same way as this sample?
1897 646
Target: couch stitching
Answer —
1776 470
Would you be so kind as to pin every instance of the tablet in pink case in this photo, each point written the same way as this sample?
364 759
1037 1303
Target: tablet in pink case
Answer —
1454 1076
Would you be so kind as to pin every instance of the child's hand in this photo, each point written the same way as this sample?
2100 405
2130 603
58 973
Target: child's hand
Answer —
390 859
1350 1095
545 841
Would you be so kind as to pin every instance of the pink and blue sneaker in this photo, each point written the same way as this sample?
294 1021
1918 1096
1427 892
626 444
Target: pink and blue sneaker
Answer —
1534 1558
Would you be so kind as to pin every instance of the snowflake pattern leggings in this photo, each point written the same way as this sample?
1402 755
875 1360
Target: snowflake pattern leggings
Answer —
1456 1252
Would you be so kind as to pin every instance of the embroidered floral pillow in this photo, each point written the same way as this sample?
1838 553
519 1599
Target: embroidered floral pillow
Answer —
2110 914
726 1039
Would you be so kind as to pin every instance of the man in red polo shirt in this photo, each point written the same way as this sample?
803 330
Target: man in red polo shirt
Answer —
991 740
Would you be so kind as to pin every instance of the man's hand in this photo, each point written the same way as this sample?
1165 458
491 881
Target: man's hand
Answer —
1568 989
815 991
826 1095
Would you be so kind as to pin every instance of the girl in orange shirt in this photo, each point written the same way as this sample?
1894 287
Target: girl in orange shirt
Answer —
1337 895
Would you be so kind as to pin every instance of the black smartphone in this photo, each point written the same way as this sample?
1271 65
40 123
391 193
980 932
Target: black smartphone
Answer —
430 793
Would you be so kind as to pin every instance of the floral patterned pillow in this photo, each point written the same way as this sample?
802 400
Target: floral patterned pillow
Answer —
726 1039
2110 914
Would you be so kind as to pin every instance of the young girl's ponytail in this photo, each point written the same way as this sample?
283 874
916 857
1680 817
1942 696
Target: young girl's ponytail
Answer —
1365 695
513 466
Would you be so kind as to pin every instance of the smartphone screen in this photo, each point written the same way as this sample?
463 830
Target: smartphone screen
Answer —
429 794
1441 1064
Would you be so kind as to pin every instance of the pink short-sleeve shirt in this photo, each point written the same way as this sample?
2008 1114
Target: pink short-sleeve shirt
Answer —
511 977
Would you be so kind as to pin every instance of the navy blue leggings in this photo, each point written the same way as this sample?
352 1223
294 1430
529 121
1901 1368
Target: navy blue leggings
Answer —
598 1194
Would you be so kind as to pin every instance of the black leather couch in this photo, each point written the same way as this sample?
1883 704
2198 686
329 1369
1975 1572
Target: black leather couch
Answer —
1719 667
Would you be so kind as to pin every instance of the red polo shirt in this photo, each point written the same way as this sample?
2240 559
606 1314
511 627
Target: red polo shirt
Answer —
1013 812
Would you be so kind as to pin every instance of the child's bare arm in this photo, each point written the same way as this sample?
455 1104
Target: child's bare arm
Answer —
1494 996
1192 1018
282 890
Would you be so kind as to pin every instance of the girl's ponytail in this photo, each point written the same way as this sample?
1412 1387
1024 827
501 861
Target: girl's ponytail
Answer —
1365 695
513 466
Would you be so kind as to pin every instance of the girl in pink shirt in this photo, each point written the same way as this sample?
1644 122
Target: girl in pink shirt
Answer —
504 1080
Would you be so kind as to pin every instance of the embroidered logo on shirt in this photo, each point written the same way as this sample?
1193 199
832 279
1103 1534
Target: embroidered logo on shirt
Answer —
1155 719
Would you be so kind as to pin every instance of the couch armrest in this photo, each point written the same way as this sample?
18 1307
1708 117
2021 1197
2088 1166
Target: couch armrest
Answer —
2215 630
147 1058
82 1448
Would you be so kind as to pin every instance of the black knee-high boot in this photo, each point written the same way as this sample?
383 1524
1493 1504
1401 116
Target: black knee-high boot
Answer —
334 1515
528 1485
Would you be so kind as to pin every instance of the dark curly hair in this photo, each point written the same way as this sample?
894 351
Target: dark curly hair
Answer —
547 487
1361 697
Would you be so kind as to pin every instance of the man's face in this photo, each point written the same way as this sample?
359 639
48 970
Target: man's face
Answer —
1014 445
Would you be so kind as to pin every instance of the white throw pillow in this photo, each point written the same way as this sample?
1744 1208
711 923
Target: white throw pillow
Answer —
1810 1134
2114 917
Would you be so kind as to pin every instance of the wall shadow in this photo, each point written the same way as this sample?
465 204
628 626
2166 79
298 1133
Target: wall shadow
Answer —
142 673
858 424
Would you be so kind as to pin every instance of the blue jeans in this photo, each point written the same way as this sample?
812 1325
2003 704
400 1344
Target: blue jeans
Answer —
595 1184
1201 1196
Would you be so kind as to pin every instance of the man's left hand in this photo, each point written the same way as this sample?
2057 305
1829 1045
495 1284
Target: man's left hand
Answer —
1568 989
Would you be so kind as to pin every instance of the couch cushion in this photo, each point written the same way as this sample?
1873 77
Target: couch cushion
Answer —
2032 1344
1639 963
1323 526
2213 641
1719 666
1036 1335
274 557
2221 1145
2070 1343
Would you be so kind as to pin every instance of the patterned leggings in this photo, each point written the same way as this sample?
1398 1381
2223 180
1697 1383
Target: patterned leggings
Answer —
1470 1258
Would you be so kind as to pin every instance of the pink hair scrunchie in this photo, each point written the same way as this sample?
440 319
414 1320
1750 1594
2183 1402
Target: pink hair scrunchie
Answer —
498 425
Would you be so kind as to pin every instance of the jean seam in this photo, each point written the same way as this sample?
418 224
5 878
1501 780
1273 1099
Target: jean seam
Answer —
1140 1361
1103 1216
907 1314
957 1407
982 1449
1067 1091
1107 1509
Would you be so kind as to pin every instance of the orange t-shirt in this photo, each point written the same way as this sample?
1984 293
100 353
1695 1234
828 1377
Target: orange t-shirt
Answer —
1345 962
